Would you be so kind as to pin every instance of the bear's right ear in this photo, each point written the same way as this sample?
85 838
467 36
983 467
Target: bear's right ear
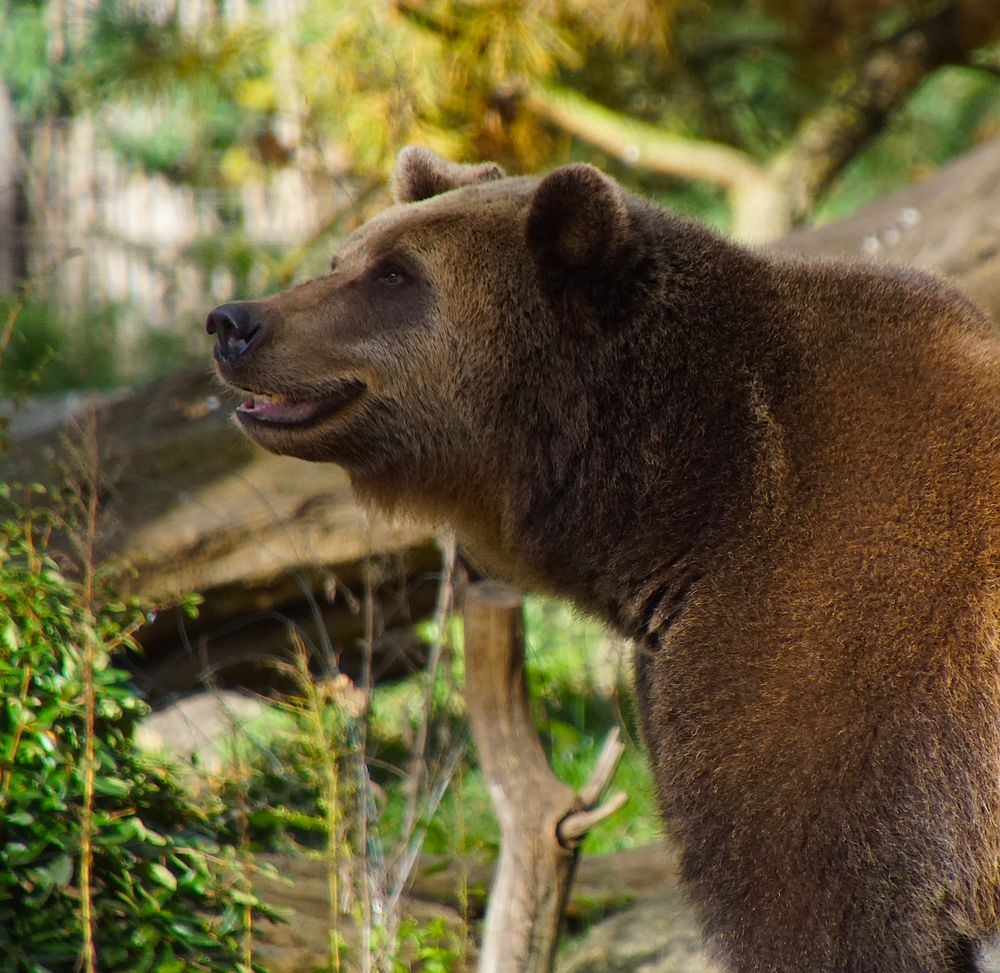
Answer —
579 219
420 174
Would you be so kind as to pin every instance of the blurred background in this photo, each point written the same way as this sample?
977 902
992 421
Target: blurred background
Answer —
159 157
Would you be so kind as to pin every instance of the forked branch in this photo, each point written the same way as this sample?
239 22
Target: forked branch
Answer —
542 820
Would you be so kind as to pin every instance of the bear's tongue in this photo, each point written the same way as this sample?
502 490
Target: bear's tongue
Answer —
280 411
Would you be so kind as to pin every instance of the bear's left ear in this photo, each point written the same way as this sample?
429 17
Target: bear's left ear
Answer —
420 174
579 219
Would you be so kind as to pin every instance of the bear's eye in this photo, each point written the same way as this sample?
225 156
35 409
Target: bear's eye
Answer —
390 271
392 276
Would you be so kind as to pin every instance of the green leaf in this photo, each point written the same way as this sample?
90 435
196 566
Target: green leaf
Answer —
112 786
170 964
163 875
59 873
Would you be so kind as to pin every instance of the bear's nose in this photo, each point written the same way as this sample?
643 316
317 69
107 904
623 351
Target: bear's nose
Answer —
237 328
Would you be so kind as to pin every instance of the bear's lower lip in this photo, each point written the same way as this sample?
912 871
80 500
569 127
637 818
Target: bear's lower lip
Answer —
299 412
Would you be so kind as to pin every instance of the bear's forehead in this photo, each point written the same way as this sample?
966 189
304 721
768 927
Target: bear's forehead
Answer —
470 207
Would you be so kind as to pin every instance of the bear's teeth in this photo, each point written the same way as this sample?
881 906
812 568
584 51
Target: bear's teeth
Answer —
272 399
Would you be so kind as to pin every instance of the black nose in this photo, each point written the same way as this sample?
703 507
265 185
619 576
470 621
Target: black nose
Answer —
237 328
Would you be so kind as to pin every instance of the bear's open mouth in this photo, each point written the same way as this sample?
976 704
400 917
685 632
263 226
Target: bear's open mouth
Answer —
287 410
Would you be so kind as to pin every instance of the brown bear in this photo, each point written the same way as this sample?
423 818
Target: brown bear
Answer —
781 479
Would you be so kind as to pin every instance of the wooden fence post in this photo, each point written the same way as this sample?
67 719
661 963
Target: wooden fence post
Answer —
542 820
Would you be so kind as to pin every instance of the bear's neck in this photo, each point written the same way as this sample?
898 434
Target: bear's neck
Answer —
648 454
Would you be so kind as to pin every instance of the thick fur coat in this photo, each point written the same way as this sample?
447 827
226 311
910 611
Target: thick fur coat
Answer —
780 479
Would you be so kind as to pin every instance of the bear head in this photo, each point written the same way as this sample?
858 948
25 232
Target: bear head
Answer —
414 363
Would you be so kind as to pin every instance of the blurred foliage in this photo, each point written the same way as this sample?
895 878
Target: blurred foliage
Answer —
340 86
217 96
274 787
38 86
42 355
159 894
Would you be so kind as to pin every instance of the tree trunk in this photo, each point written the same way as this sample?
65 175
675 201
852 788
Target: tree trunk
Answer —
542 820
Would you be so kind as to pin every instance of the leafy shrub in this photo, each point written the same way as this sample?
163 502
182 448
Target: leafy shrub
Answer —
105 863
43 355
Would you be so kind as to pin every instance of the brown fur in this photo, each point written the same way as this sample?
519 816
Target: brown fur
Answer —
782 480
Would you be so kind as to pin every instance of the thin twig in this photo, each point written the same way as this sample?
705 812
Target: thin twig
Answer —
418 759
85 542
363 783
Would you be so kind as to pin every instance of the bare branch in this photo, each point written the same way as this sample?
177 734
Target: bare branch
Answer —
574 828
610 756
638 143
757 205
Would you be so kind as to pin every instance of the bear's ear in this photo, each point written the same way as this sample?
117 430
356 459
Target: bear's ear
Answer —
420 174
578 219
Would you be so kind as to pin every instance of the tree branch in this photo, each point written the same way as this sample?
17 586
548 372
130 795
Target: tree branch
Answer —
638 143
766 201
757 206
830 138
542 820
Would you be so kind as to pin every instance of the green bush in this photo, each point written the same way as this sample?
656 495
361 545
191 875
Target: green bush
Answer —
105 862
43 355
